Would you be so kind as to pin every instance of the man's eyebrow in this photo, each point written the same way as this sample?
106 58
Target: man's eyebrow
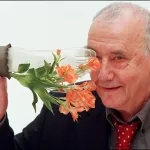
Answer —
118 52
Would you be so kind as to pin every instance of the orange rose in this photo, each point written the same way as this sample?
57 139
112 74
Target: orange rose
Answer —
67 109
68 73
80 98
63 110
93 64
88 85
77 101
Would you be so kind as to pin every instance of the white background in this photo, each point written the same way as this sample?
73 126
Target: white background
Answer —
41 26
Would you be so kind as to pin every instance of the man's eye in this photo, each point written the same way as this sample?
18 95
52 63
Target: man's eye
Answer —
118 58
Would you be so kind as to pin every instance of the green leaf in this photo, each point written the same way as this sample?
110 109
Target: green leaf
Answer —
40 72
47 67
54 63
31 71
25 80
43 94
46 98
52 84
49 106
30 81
55 58
52 74
58 60
23 68
35 99
60 101
53 67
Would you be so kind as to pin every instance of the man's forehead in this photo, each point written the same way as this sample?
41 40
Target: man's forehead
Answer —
126 20
118 27
128 33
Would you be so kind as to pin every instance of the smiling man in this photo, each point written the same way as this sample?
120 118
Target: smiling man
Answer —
120 36
123 82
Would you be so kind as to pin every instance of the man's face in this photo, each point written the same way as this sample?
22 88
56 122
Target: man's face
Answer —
124 78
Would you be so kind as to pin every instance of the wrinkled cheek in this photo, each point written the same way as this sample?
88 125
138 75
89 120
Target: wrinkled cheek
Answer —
94 75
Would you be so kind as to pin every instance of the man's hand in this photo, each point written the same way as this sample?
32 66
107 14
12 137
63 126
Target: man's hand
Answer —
3 96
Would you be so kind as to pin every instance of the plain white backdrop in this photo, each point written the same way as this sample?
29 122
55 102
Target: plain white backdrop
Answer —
43 25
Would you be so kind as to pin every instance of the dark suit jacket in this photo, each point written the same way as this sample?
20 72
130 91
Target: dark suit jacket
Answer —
59 132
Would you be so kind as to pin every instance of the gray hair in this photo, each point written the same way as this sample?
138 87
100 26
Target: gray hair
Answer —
114 10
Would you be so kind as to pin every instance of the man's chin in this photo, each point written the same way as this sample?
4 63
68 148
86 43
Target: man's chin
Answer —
110 103
109 100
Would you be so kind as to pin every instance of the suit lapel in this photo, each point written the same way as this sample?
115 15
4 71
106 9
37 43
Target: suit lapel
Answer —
93 129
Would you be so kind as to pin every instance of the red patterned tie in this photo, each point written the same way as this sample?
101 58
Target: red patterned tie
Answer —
125 134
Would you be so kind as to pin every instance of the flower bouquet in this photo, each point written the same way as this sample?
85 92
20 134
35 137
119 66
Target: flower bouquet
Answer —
62 78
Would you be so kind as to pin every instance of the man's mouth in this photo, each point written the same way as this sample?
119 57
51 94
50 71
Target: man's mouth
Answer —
111 89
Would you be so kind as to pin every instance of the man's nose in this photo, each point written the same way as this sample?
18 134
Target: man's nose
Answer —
106 72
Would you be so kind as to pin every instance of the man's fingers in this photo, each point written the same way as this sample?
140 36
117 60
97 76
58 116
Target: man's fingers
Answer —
3 82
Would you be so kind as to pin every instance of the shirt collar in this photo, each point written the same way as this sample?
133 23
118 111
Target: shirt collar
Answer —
143 115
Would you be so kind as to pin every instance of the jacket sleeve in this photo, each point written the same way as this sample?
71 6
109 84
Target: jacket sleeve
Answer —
28 139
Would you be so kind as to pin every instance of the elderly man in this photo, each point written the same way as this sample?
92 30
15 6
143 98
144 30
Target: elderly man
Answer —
120 36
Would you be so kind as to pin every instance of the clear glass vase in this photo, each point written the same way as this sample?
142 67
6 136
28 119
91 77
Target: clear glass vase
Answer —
11 57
